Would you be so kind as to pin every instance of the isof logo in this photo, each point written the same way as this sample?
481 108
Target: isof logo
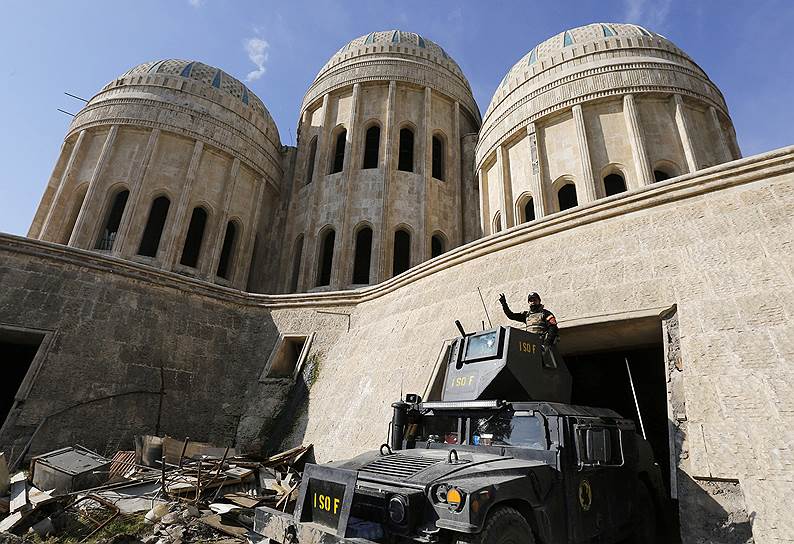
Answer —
462 381
326 502
527 347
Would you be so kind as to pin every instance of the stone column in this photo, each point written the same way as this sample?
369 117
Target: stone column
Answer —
684 133
380 254
725 150
421 253
174 240
84 229
505 188
586 190
210 266
637 140
343 247
308 267
485 208
454 178
46 232
123 246
242 268
538 190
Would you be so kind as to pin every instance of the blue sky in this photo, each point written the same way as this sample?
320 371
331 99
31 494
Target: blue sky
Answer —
78 46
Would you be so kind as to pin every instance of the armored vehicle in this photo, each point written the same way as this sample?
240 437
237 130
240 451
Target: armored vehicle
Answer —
502 459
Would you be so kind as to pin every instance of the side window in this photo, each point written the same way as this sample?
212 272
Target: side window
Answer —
520 429
598 445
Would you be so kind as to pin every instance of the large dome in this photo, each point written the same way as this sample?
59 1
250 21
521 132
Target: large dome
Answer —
206 74
394 55
588 63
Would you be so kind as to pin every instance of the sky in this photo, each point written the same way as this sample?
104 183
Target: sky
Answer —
277 48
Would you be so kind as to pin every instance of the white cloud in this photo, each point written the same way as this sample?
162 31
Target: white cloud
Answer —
257 53
651 13
196 3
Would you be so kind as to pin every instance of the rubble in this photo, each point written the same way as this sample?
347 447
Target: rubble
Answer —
165 491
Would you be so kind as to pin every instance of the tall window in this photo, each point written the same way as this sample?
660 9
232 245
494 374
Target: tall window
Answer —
113 221
436 245
296 264
529 210
402 252
154 227
310 162
614 184
227 251
405 160
326 258
438 158
566 196
195 235
371 147
363 256
339 152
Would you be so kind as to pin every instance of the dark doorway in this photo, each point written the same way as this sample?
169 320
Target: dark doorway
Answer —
195 235
326 258
154 227
567 196
405 158
529 210
339 152
108 234
17 351
371 147
614 184
659 175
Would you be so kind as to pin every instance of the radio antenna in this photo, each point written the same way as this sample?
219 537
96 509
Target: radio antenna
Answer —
484 307
634 394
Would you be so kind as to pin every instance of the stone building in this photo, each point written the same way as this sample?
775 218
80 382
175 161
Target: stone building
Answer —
186 274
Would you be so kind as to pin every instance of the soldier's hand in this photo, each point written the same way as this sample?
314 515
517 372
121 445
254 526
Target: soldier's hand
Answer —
502 298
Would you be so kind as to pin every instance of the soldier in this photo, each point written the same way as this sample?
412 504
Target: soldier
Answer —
540 321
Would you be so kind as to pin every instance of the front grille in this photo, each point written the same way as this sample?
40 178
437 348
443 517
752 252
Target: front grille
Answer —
397 465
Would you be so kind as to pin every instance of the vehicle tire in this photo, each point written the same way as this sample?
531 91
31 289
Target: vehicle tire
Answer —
505 525
644 530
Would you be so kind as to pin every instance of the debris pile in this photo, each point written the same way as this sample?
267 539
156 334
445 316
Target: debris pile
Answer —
166 491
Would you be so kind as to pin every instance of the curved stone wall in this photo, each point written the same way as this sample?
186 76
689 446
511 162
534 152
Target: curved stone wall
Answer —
390 82
594 101
175 130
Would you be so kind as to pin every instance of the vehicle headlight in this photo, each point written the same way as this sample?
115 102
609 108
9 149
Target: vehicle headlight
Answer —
398 506
452 496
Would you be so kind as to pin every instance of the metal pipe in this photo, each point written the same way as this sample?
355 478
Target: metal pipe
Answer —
634 394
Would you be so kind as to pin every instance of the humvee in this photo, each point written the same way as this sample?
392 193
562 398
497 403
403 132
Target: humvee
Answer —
503 458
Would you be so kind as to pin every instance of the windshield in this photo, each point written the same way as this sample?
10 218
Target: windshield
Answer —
482 345
519 429
440 429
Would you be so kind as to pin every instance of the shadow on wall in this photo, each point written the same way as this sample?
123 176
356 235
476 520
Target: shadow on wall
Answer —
713 511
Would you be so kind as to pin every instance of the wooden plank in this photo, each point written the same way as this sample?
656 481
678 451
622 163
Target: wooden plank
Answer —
19 493
214 521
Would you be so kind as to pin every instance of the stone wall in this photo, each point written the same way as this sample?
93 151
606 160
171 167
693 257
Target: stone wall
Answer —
716 245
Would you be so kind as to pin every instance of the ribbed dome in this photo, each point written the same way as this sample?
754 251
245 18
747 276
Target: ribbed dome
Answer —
394 55
209 75
411 43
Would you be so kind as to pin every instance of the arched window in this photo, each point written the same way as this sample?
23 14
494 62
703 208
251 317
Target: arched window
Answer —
297 255
227 251
497 222
363 256
310 161
614 184
566 196
339 152
326 258
158 213
528 210
371 147
195 235
660 175
113 221
74 212
402 252
405 160
437 245
438 158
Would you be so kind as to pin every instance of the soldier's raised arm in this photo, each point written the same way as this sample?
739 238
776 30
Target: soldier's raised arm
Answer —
520 317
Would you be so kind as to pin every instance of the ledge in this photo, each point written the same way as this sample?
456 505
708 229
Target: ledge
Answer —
711 179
